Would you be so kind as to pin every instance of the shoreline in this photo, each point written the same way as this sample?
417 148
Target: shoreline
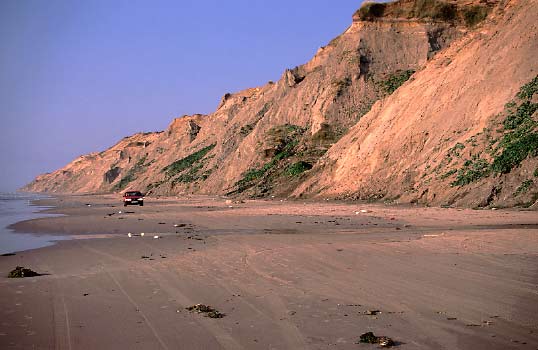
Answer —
287 275
15 208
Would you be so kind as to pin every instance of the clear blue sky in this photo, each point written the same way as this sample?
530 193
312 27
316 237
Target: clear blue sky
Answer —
77 76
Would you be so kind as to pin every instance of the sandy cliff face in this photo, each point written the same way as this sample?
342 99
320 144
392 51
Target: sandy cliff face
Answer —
443 136
315 132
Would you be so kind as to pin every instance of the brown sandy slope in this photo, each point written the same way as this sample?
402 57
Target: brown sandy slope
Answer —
288 275
413 145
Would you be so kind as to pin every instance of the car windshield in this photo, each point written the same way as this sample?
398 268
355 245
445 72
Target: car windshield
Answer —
128 194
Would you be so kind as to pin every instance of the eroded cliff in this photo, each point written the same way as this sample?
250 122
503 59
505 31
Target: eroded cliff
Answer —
436 73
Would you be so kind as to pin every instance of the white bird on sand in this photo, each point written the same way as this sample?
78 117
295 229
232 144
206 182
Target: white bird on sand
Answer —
363 211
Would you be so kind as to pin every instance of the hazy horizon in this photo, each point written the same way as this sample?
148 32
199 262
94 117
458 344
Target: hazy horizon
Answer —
77 77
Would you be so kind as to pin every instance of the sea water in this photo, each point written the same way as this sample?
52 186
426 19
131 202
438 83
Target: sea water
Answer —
15 207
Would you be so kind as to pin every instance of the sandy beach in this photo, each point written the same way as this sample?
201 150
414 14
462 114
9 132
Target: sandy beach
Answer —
286 274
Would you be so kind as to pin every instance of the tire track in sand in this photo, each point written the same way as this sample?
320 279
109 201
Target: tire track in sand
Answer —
225 339
60 312
275 308
137 307
273 311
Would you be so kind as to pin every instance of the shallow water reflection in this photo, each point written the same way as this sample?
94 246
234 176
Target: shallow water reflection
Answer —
15 207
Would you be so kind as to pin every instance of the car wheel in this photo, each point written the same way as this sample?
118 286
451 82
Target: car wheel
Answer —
124 204
141 204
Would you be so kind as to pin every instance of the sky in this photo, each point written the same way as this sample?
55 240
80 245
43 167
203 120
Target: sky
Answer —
77 76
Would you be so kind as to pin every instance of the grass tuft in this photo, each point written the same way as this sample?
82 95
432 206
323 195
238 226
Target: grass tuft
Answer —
396 80
298 168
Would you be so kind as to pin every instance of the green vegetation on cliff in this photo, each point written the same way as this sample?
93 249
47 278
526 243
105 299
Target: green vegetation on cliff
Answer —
131 174
281 144
395 80
515 141
187 162
188 169
520 137
298 168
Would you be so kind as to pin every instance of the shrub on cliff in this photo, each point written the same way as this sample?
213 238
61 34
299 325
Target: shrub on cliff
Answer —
370 11
474 15
396 80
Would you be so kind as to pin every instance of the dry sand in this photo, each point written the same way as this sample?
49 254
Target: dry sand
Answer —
288 275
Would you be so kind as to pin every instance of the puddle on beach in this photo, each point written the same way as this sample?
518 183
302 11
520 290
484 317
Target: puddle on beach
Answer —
15 207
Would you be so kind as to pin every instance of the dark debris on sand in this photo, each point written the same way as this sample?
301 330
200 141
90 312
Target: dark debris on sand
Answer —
206 309
370 338
21 272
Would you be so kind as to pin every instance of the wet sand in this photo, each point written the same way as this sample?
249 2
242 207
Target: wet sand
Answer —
288 275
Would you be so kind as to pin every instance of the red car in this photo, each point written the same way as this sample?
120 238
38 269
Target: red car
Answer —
133 197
